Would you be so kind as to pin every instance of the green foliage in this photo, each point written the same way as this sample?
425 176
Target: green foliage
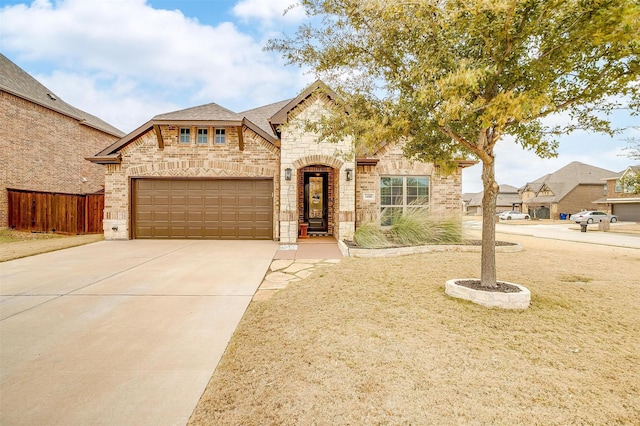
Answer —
369 235
631 182
411 228
415 227
450 78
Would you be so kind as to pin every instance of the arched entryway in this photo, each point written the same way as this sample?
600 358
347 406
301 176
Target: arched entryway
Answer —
317 203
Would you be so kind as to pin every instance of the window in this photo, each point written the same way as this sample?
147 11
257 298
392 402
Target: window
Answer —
203 137
398 193
618 185
185 135
220 137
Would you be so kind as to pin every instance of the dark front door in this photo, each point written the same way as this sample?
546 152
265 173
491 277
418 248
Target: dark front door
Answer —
315 201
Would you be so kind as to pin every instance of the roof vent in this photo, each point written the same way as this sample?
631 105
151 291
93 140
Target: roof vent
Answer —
52 96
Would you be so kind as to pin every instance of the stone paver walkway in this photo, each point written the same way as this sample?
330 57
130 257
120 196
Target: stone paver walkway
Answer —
285 271
290 266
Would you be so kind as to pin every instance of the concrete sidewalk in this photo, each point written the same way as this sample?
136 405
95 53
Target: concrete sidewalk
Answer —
120 332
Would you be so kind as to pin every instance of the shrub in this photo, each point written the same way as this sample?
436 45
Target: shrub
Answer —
411 228
369 235
414 227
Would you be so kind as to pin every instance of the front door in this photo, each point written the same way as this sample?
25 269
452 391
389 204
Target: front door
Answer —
315 201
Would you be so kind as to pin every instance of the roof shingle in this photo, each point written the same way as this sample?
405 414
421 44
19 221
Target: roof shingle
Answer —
18 82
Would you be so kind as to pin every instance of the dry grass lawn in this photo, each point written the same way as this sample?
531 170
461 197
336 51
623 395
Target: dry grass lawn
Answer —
17 244
376 341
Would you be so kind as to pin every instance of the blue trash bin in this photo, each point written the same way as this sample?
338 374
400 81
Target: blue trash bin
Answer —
563 216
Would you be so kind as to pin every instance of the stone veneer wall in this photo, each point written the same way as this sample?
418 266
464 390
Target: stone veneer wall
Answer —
143 157
300 149
445 192
43 150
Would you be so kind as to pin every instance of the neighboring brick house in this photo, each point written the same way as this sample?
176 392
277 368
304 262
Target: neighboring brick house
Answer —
508 199
623 198
207 172
44 141
575 187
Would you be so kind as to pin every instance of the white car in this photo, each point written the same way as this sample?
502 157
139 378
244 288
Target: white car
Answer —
513 215
590 216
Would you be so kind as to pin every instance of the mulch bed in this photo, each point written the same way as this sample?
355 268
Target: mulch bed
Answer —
501 287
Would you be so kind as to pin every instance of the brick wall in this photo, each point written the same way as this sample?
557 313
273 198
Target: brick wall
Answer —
445 192
143 157
580 198
42 150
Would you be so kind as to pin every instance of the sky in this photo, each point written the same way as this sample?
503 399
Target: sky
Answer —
126 61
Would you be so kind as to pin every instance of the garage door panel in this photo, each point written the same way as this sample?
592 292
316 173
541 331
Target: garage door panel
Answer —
216 209
178 200
195 201
262 217
160 200
263 202
630 211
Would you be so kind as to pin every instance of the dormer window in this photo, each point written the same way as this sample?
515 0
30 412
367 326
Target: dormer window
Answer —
185 135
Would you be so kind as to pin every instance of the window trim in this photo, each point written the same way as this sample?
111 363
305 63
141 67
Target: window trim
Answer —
180 134
223 134
206 142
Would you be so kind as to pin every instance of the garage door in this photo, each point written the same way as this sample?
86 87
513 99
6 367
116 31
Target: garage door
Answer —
203 209
629 212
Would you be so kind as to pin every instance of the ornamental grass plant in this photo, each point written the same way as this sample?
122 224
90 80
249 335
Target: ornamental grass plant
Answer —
416 226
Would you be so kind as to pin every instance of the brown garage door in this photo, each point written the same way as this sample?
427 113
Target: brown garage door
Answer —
203 209
629 212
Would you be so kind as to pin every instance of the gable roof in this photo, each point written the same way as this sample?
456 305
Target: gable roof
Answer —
630 169
261 116
207 112
16 81
281 116
507 196
260 120
564 180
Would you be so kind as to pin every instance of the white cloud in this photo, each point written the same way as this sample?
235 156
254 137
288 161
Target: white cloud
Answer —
119 101
516 166
126 53
269 12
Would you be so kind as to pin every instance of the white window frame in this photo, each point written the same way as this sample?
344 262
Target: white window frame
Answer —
220 136
181 140
206 134
402 196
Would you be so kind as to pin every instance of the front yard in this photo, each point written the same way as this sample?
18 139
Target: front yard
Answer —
376 341
17 244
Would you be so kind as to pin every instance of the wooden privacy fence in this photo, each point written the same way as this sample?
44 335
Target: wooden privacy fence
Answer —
55 212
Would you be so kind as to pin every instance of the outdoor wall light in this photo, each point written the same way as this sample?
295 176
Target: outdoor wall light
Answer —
287 174
349 173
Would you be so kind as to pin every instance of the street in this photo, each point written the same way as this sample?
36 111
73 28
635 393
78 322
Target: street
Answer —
566 231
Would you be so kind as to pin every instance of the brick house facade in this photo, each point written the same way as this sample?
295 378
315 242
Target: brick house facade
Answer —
44 141
623 197
573 188
284 179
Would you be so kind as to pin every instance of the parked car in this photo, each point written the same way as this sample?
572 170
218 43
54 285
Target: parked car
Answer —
513 215
590 216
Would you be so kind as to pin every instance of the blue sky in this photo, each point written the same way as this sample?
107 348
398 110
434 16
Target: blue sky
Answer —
128 60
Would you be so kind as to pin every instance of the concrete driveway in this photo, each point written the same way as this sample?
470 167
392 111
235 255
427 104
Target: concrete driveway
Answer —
120 332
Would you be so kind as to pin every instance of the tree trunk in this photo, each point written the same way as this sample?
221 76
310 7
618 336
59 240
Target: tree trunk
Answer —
488 261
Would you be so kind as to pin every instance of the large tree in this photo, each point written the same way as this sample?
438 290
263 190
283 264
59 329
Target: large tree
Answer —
452 77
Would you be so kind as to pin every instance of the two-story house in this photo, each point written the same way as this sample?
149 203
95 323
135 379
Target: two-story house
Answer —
623 194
